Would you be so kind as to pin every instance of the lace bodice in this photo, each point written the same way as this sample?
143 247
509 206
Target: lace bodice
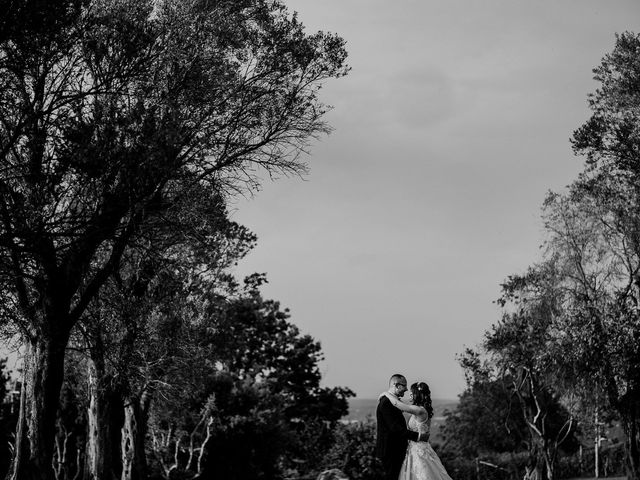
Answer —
417 426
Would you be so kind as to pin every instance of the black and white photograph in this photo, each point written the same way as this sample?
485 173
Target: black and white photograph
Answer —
320 239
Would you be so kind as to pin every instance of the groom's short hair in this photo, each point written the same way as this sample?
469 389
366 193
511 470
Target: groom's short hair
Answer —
395 378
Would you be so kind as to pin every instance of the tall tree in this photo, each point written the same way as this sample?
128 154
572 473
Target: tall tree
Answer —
130 347
108 110
519 347
597 331
594 239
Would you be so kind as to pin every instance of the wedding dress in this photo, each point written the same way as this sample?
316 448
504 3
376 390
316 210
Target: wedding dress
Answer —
421 461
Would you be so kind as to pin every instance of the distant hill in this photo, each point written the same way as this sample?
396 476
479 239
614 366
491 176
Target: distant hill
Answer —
364 409
361 408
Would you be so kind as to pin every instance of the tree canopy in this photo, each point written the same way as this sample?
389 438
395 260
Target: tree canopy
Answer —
570 325
112 113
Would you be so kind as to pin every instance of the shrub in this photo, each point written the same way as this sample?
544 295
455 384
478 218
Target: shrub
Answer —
353 451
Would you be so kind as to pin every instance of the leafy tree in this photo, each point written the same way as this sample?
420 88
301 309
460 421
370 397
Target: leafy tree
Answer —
138 336
108 111
486 420
571 322
254 338
247 433
236 384
500 417
519 346
596 332
594 244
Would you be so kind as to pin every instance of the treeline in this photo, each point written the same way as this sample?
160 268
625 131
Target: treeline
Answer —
126 128
230 389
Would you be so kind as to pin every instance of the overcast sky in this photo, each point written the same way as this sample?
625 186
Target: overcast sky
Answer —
451 127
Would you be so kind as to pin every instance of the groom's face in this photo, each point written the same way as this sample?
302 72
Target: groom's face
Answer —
401 387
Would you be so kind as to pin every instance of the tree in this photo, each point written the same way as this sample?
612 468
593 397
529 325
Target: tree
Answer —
140 312
487 418
108 111
512 403
594 241
254 338
248 377
597 331
521 347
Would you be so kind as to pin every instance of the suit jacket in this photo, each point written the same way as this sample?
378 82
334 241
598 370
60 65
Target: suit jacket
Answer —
392 434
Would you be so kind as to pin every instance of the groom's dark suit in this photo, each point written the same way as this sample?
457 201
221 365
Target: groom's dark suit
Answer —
392 438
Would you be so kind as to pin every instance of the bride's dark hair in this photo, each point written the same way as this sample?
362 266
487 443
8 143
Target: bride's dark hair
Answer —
422 396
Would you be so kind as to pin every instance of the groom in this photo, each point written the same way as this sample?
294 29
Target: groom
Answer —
392 433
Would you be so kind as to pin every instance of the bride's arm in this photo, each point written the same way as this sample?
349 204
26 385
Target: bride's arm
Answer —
414 409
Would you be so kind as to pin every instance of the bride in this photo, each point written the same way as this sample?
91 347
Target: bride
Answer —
421 461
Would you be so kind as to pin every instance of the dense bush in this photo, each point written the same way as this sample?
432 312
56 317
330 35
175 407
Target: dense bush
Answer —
353 451
248 447
611 463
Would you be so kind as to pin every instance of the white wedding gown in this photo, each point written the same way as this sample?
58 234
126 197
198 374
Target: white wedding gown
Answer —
421 461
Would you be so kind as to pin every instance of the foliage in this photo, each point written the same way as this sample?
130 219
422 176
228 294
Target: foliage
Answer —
567 342
490 466
111 114
137 328
248 432
353 451
246 377
506 410
521 345
254 338
611 463
486 420
594 245
568 338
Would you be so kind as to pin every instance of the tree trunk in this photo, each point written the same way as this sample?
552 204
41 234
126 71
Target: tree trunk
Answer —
104 422
628 407
43 377
21 428
134 431
549 463
539 459
630 425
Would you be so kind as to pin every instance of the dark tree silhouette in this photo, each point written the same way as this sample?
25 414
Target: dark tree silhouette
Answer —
108 112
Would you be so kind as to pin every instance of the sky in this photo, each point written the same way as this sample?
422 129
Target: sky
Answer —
450 129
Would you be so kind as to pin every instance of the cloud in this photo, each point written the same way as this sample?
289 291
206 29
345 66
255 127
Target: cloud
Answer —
419 97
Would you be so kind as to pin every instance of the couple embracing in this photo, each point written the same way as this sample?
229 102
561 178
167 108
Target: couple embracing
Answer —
404 446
